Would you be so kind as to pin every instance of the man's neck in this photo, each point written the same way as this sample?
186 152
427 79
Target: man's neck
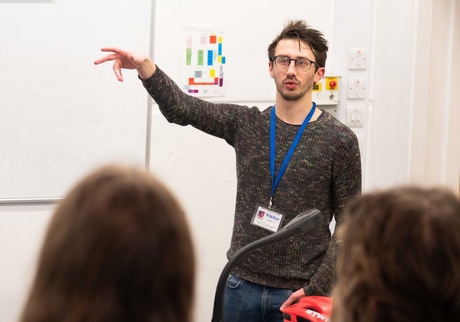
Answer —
295 112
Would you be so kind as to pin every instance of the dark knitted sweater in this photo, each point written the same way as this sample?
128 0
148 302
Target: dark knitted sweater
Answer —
324 173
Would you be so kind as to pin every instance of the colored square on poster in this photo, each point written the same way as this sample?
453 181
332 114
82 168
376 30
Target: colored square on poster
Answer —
200 58
204 40
212 73
188 42
210 58
212 39
188 59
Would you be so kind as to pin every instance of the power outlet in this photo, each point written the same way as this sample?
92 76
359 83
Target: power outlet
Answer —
355 116
356 88
357 59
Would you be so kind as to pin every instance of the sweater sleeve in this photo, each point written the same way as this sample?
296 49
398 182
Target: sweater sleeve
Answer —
217 119
345 185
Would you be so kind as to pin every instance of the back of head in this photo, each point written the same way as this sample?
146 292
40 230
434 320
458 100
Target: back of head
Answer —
399 257
118 248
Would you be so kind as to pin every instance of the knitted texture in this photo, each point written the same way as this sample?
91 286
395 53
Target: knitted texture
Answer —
323 173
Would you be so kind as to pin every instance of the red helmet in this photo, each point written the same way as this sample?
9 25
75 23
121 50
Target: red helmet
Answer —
309 309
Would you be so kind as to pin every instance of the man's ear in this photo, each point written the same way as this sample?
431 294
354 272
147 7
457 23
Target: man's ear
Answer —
270 69
319 74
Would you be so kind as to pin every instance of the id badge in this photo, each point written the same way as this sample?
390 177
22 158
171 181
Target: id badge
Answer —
267 219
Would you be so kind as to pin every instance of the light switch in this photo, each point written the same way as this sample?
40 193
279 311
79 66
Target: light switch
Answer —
355 116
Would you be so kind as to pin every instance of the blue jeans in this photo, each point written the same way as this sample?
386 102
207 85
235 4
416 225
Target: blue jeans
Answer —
249 302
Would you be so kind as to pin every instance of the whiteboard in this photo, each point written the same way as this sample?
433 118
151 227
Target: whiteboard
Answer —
60 115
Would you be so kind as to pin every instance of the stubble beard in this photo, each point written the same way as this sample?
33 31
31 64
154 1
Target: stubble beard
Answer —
294 95
291 95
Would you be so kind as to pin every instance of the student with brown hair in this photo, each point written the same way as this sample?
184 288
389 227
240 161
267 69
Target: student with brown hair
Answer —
399 257
118 248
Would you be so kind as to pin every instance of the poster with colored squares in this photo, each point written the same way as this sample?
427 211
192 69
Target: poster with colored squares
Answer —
203 62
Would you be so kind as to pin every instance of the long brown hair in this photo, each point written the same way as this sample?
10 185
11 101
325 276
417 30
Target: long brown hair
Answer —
118 248
399 257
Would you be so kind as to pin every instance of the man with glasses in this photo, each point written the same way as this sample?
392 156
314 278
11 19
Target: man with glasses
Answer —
291 157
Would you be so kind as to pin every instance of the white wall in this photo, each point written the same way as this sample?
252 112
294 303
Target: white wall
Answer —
413 109
443 115
400 138
353 22
21 232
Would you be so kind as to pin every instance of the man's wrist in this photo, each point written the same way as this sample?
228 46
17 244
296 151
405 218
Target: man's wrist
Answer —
146 69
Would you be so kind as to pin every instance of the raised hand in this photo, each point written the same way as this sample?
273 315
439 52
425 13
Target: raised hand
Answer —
123 59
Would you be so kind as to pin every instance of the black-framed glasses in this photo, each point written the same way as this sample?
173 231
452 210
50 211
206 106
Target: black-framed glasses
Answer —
303 64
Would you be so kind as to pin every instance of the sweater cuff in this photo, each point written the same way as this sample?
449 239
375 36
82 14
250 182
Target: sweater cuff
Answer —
305 290
148 80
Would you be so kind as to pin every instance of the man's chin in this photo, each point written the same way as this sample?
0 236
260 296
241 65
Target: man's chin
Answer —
291 96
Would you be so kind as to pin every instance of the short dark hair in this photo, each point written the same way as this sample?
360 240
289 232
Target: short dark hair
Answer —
302 32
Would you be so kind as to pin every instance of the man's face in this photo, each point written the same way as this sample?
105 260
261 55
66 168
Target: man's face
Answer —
291 83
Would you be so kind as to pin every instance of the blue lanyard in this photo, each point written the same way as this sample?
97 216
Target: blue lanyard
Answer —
276 180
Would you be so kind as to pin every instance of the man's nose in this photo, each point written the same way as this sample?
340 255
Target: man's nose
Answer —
292 69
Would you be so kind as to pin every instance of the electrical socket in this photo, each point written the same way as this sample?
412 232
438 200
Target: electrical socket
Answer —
357 58
356 88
